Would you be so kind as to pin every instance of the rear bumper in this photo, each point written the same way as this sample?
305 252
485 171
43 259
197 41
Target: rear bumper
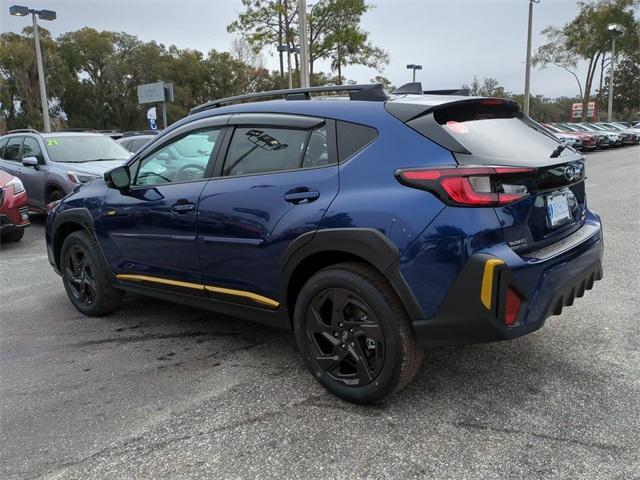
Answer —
545 288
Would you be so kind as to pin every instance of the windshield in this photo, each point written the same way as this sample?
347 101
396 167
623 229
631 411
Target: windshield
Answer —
84 148
578 128
553 129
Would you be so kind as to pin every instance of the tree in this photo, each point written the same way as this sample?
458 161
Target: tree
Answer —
488 87
20 92
386 83
554 53
626 86
334 32
586 38
267 23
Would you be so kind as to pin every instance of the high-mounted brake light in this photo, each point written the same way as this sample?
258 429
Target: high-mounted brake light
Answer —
470 186
493 101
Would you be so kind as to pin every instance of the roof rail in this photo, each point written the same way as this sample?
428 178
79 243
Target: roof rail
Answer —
79 129
370 91
21 130
134 133
415 88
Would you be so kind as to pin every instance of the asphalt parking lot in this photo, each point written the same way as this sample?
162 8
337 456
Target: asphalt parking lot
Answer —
158 390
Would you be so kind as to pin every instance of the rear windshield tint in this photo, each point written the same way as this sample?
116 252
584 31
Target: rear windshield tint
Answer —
496 131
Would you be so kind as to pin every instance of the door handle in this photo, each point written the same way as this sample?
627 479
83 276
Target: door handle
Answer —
183 207
305 196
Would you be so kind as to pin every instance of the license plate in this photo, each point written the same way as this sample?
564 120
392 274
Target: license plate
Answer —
558 209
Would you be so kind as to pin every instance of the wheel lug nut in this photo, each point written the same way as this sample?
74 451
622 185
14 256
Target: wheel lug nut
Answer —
335 334
353 344
341 325
351 330
342 345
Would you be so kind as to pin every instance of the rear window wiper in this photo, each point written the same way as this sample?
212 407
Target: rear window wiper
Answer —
559 149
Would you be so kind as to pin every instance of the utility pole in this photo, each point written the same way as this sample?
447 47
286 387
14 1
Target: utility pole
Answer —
304 44
527 74
22 11
43 88
615 30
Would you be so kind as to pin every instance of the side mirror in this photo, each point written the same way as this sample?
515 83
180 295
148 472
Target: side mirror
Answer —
119 178
30 162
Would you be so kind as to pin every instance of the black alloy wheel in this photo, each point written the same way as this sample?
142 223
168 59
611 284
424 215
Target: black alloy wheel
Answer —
354 334
78 271
345 337
86 276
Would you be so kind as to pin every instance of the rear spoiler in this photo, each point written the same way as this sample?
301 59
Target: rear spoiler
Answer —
415 88
407 110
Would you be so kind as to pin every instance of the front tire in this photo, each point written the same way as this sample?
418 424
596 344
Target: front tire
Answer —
86 276
56 195
354 334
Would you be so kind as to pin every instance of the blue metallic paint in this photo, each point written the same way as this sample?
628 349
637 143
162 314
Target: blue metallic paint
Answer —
243 225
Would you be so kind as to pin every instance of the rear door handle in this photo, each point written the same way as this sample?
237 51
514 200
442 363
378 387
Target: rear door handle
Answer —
305 196
183 207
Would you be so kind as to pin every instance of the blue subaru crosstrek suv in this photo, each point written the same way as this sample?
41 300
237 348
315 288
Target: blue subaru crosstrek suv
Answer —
371 225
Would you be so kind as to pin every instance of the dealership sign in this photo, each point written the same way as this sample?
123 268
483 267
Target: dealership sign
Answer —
155 93
576 111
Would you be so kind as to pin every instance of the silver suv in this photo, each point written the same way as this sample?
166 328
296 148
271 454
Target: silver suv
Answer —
50 165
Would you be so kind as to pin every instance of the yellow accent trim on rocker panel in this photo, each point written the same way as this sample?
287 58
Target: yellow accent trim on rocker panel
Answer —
486 292
164 281
240 293
196 286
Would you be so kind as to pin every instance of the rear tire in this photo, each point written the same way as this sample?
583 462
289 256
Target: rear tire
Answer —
13 236
354 334
86 276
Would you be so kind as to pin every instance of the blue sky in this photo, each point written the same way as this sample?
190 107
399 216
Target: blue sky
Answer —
453 39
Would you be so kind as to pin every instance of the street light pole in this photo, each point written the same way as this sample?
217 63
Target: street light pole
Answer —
527 74
43 88
22 11
615 30
304 44
613 69
414 67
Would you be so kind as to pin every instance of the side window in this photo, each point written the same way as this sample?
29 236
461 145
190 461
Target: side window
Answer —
12 150
126 144
137 144
182 160
270 149
31 148
3 143
352 138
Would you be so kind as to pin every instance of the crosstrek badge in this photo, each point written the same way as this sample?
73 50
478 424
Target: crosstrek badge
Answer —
457 127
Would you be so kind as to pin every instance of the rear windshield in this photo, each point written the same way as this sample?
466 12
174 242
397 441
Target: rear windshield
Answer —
84 148
497 130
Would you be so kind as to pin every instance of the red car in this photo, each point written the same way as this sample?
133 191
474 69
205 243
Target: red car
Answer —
14 215
589 142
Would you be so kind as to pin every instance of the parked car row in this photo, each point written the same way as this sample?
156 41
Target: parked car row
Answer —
589 136
51 165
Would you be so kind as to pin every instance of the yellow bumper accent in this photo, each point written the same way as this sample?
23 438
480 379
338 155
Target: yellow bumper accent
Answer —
197 286
486 291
